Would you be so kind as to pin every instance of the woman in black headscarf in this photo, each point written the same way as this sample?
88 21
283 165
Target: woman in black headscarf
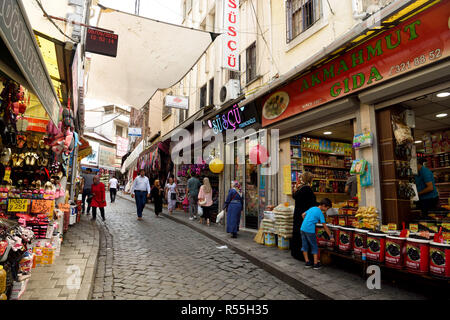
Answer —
304 199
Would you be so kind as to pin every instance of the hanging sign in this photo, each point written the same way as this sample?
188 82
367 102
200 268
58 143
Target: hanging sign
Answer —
17 205
412 44
231 37
135 132
177 102
104 43
234 118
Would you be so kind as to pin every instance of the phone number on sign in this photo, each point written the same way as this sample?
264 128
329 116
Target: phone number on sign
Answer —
399 68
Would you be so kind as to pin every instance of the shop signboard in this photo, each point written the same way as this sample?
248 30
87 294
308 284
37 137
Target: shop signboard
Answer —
107 156
16 32
92 159
231 37
100 42
122 146
177 102
135 132
237 117
412 44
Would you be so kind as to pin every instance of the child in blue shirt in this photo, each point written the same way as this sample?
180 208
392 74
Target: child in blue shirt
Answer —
308 231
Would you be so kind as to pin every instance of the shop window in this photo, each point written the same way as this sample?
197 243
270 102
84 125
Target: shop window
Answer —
250 68
233 75
300 16
119 131
203 96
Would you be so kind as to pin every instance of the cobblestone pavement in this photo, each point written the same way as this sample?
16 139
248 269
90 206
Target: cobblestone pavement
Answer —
159 259
71 276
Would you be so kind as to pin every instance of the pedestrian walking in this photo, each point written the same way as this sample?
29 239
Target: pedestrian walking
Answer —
98 199
205 201
88 180
171 195
193 186
304 199
141 190
234 205
157 195
113 184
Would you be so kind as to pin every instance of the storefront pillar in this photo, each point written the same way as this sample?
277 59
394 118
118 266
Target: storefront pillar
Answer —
370 196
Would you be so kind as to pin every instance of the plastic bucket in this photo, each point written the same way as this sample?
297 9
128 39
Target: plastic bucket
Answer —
322 236
440 260
417 255
395 252
359 241
269 240
283 243
345 244
376 244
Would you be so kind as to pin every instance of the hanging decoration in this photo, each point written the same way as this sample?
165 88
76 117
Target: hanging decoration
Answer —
216 165
258 154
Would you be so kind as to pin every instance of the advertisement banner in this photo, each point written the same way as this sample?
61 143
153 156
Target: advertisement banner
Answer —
412 44
92 159
231 37
177 102
122 146
135 132
107 156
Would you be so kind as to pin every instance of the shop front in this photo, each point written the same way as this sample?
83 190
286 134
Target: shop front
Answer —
374 111
38 141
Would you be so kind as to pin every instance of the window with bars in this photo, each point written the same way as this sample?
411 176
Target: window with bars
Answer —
233 75
250 68
300 16
211 92
203 93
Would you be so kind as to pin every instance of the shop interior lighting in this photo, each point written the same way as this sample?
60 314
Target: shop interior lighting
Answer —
441 115
443 94
418 141
327 132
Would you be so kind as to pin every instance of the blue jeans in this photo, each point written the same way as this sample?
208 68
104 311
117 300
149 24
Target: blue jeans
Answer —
309 241
141 200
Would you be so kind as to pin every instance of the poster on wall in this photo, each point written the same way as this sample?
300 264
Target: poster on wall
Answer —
92 159
107 157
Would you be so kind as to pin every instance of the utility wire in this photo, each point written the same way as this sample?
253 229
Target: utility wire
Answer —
53 22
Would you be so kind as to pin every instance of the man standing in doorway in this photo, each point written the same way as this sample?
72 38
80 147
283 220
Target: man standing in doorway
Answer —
88 180
140 189
426 187
113 184
193 186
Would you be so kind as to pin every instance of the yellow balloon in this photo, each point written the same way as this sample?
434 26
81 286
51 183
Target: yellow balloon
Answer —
216 166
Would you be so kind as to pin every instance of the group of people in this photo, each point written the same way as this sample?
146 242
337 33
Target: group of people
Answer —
94 193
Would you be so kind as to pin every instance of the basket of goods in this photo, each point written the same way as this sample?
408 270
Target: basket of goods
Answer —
367 218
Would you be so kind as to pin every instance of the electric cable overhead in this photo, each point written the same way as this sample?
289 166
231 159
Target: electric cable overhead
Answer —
53 22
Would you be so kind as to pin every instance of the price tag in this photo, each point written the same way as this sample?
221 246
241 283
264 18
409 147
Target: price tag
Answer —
392 226
42 206
414 227
385 228
17 205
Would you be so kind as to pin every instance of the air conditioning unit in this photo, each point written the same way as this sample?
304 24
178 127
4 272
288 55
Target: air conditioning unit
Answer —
230 91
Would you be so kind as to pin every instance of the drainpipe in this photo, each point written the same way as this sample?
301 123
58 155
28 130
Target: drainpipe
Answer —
356 14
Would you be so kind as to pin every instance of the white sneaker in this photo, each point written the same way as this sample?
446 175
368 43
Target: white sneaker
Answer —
191 218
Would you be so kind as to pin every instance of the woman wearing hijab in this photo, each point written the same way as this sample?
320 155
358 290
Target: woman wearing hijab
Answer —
304 199
157 194
234 205
205 200
98 200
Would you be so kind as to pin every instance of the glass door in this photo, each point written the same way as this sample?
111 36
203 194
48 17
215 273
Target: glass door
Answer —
251 187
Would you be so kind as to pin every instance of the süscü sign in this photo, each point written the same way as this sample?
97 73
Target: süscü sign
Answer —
234 118
394 52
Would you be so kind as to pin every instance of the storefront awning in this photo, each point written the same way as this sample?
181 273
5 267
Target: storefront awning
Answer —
84 149
151 55
133 157
18 36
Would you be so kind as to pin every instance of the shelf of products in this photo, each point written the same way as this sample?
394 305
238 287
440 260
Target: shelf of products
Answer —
328 161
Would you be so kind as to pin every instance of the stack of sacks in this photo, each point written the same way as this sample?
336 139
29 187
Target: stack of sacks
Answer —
284 219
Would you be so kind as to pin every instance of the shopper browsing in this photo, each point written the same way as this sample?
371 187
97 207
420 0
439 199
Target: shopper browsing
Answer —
308 230
113 184
193 186
140 189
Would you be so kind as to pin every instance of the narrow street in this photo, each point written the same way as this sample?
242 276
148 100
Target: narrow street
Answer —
160 259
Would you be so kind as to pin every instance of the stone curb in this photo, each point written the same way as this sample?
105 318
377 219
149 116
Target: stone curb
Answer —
87 284
273 269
